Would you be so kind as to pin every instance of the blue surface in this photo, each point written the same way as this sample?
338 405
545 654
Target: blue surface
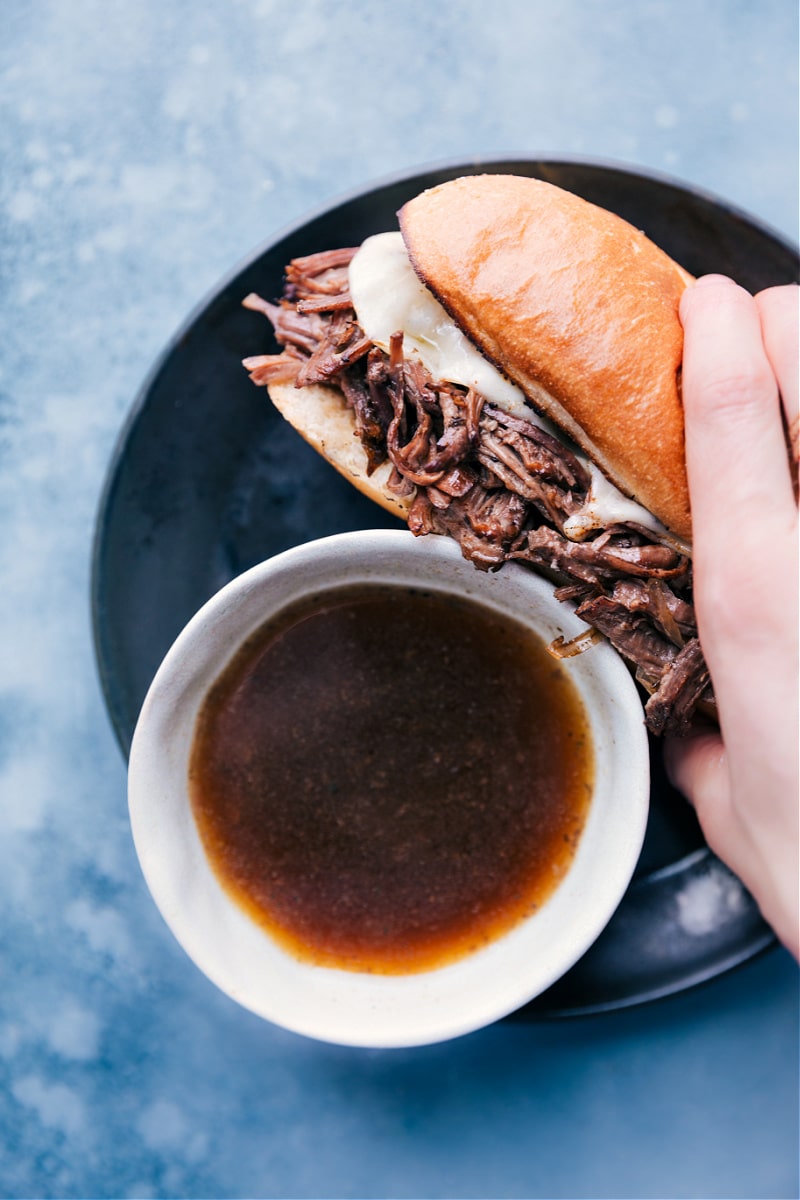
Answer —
146 147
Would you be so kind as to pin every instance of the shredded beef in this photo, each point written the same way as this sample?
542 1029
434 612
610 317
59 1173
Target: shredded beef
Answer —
683 685
615 554
673 616
631 633
500 485
341 345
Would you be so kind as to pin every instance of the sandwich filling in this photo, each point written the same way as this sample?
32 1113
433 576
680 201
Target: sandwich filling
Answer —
388 295
477 463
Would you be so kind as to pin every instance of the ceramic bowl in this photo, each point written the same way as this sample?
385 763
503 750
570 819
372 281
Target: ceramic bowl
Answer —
369 1009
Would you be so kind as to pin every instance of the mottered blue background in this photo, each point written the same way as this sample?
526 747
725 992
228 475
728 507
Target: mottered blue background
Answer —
147 145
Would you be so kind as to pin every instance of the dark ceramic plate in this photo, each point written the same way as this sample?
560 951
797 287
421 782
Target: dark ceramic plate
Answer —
207 479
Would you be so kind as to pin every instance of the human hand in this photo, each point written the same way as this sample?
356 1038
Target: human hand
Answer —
740 366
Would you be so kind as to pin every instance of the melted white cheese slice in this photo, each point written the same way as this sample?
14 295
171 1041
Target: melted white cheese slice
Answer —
388 296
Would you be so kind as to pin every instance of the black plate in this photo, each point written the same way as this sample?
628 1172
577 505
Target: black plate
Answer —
207 479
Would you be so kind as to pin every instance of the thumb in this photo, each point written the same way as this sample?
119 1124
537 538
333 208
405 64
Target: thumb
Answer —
697 766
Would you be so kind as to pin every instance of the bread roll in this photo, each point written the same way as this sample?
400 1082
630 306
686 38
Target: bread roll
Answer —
576 307
319 414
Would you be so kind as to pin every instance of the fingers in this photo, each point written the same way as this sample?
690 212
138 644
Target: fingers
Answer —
739 381
743 509
778 310
697 767
735 448
760 846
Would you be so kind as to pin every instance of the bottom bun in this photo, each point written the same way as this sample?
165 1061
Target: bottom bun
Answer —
319 416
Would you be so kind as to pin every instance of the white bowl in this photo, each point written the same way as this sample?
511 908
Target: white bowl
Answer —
343 1006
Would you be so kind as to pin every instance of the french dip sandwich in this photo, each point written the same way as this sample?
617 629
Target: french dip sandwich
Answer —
505 370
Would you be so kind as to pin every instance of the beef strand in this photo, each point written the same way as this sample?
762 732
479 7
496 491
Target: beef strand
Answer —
682 686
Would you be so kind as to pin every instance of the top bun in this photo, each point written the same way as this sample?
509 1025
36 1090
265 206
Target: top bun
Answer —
575 306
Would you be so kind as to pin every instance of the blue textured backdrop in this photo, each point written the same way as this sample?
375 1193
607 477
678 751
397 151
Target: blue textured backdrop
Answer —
146 146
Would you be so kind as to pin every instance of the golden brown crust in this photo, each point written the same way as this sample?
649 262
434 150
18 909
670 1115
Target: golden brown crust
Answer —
578 308
320 415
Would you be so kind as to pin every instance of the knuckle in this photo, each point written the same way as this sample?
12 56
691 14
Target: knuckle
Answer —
740 604
722 613
781 295
734 395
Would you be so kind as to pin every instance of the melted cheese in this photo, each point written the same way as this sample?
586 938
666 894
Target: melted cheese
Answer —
388 296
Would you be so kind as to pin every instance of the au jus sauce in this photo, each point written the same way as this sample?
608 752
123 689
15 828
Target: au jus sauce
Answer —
387 779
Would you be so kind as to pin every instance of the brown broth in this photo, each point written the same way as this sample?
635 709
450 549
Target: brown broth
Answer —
387 779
